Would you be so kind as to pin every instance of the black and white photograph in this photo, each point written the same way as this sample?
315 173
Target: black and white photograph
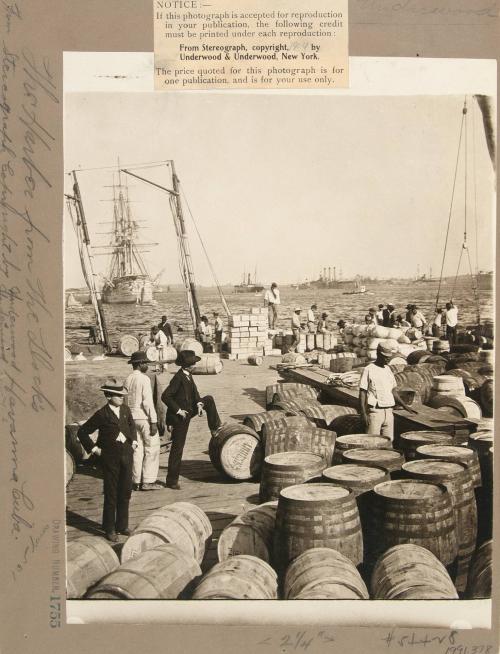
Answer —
279 341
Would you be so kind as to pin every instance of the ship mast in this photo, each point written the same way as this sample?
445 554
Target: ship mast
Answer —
185 261
87 260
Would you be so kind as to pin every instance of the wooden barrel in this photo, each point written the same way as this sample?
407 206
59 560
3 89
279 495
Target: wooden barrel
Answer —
488 356
357 441
288 469
164 572
250 533
257 420
481 442
472 381
359 479
464 455
415 511
169 354
209 364
318 568
301 438
448 385
390 460
127 345
409 571
324 414
88 559
236 451
464 407
72 442
480 574
190 344
293 395
183 524
239 577
441 346
487 395
255 360
304 389
69 466
317 515
457 479
429 342
281 422
347 424
417 356
152 353
410 440
328 592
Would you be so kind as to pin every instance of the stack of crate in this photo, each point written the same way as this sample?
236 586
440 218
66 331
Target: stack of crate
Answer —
248 334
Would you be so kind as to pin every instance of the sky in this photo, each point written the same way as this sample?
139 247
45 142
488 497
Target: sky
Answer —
285 184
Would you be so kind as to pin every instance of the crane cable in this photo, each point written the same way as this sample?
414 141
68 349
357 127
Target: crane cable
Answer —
219 288
464 113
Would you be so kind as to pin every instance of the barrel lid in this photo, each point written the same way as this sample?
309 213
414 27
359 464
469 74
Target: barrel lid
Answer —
364 440
426 436
314 492
451 379
293 459
482 436
365 454
351 472
449 451
434 467
408 489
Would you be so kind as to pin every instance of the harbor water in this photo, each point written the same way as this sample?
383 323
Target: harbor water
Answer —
136 320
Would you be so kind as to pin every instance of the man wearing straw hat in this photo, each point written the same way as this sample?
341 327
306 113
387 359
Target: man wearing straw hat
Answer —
141 404
378 395
116 441
183 403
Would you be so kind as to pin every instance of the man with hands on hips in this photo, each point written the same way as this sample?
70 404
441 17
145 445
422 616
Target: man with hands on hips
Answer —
183 403
116 442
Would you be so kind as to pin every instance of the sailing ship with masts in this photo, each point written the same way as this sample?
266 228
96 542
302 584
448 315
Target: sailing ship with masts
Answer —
128 280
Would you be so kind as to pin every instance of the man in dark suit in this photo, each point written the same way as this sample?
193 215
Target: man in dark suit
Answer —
116 441
183 402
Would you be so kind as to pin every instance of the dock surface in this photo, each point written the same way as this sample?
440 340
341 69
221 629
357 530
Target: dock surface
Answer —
238 390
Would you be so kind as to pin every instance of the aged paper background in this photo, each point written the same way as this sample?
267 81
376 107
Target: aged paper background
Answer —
34 36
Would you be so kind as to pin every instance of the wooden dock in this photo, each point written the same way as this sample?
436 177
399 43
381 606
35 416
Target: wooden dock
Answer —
238 390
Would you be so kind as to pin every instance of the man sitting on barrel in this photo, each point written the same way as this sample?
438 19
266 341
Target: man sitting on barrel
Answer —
184 402
378 395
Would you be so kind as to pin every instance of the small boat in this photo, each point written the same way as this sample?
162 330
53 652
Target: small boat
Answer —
357 290
72 304
247 286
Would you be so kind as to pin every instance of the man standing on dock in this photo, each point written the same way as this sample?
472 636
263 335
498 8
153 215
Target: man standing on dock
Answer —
311 319
165 327
183 403
272 300
451 315
296 327
116 441
141 405
378 395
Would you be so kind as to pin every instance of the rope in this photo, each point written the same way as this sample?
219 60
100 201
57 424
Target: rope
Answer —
222 297
464 111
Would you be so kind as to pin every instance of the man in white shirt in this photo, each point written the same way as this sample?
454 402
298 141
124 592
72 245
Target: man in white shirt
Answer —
451 315
378 395
272 300
380 314
218 327
437 323
140 401
311 319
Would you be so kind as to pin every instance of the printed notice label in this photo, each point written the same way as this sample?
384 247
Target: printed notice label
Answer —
284 44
